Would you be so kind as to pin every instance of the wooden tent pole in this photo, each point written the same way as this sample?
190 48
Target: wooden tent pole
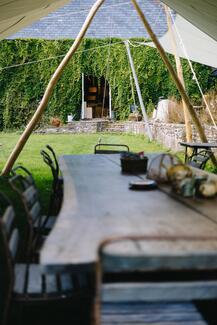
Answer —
173 76
180 74
48 92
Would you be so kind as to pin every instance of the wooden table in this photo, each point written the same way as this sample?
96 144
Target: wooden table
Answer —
98 204
195 147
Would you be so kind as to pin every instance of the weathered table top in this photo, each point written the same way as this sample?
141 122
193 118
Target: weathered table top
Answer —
98 204
199 145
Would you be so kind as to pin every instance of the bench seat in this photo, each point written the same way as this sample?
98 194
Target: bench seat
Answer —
138 313
32 281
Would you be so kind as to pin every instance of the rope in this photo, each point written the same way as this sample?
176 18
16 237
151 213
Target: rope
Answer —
71 13
62 55
192 69
194 77
56 57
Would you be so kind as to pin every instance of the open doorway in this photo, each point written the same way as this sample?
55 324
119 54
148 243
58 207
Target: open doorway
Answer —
95 97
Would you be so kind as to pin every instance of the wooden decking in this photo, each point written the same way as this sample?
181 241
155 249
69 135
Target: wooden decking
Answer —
151 313
121 314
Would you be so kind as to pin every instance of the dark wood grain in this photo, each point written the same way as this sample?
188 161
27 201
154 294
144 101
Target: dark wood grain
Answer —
30 195
20 271
151 313
13 243
34 280
8 219
35 211
168 291
51 283
66 283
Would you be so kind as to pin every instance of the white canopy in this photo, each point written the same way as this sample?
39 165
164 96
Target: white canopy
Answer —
17 14
199 46
201 13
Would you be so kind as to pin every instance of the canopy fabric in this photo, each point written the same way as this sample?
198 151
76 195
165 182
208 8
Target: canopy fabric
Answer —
199 46
201 13
17 14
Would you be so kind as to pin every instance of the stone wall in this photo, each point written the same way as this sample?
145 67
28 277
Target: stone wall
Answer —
88 126
166 133
169 134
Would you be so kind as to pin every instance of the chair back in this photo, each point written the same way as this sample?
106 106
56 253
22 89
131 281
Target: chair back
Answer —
9 251
131 269
106 148
29 196
50 159
54 158
56 195
21 170
200 159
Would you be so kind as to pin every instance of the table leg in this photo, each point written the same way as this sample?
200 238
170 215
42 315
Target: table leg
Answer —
186 154
194 152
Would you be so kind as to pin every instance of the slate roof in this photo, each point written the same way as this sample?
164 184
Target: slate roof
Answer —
116 18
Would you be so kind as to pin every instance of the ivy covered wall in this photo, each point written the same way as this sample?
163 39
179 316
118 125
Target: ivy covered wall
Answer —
22 87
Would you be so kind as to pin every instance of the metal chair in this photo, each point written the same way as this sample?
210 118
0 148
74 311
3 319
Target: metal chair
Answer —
30 285
56 196
105 148
200 159
21 170
38 225
148 287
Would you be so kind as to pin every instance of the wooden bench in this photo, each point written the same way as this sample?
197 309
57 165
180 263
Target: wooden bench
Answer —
151 286
31 284
138 313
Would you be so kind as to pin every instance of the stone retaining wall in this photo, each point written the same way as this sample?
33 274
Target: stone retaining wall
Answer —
170 134
166 133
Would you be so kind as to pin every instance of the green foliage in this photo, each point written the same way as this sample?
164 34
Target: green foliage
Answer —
22 87
150 108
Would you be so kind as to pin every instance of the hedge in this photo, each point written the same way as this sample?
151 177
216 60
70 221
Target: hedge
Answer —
22 87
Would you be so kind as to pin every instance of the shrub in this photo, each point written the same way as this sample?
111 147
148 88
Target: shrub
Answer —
21 88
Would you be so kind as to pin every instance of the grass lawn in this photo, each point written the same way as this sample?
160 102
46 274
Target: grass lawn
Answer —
63 144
